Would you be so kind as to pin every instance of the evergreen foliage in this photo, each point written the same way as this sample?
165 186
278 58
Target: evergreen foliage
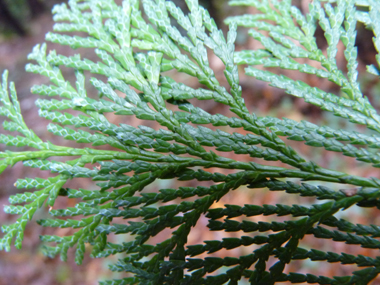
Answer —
134 51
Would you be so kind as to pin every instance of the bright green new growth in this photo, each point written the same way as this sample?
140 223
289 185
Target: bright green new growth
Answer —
135 51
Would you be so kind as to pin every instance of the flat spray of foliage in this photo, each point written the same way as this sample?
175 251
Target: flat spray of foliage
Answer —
134 53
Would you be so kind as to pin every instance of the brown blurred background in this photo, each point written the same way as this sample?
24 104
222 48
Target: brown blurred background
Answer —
23 24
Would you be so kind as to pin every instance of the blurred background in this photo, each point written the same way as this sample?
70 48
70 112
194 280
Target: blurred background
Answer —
23 24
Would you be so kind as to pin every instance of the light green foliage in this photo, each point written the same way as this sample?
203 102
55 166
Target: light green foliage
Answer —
134 51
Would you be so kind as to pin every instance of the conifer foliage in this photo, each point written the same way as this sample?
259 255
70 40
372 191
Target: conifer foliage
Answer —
136 43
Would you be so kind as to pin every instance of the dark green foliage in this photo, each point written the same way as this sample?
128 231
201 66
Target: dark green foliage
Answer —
134 50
